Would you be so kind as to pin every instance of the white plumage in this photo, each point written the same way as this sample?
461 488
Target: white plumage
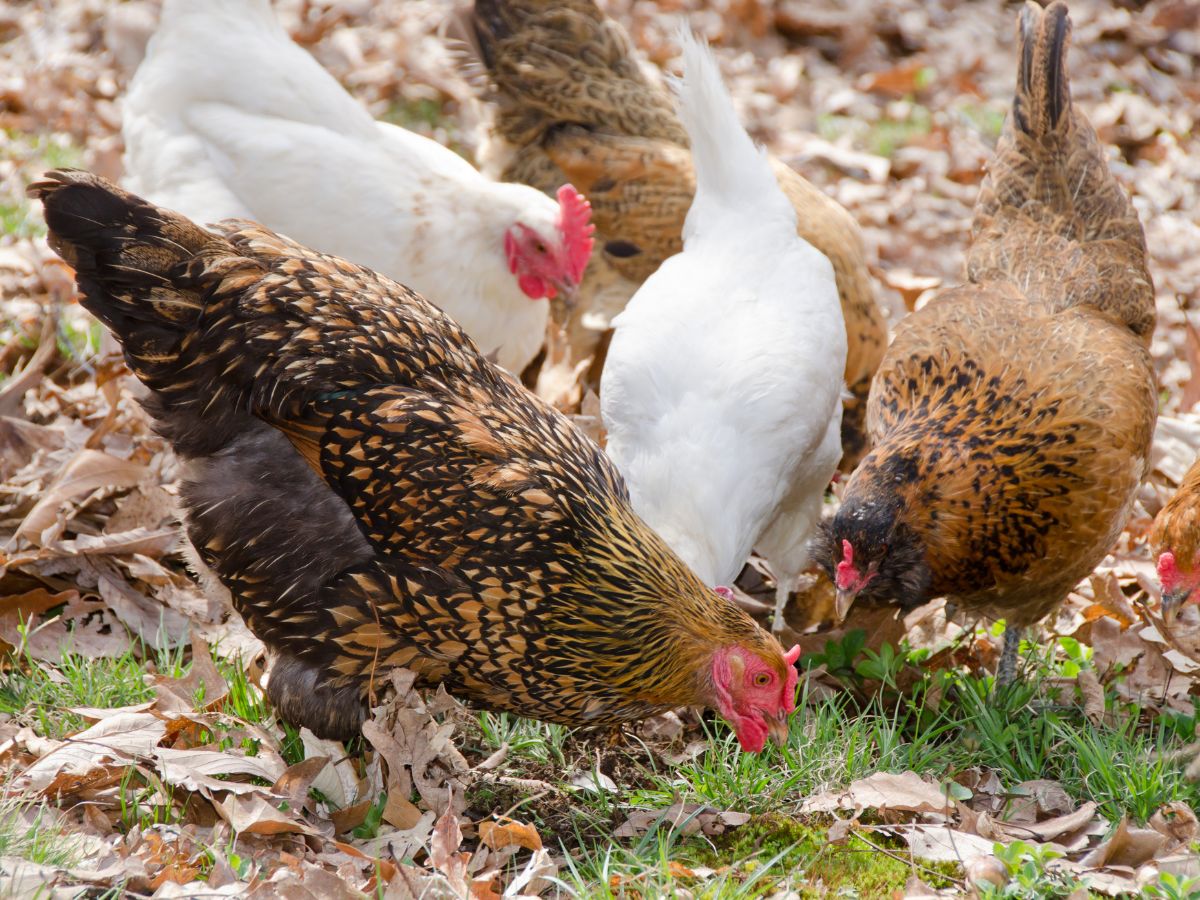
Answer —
227 117
722 388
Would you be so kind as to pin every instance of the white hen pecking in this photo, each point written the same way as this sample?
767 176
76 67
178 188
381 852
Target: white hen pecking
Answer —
722 388
227 117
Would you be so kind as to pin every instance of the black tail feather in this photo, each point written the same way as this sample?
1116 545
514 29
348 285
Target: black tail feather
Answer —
1043 97
128 255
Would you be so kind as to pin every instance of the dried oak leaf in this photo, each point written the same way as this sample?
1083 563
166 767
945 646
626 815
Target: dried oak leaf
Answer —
506 832
902 792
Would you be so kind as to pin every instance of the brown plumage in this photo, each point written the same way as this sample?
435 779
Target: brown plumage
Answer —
1175 541
1012 417
572 103
375 493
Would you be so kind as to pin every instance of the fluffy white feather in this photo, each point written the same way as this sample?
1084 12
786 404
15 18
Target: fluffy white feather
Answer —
722 388
227 117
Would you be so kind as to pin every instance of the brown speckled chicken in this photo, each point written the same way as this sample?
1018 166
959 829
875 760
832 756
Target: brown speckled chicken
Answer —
571 102
1176 544
375 493
1012 417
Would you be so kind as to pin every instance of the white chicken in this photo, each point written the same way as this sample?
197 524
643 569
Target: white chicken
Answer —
227 117
722 388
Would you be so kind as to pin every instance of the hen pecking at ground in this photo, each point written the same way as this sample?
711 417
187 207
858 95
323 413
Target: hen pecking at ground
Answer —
1012 417
722 388
375 493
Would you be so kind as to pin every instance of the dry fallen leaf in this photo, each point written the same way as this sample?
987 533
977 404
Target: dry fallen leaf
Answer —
506 832
688 818
903 792
90 469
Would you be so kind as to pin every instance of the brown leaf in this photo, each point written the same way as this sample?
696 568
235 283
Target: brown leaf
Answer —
256 814
90 469
198 769
443 851
296 780
119 739
508 832
35 602
400 812
85 627
350 817
1127 847
940 843
1092 693
178 695
907 78
906 792
687 818
1178 822
1049 830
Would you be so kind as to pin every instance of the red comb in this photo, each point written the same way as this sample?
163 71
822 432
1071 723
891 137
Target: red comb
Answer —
846 573
574 221
793 676
1168 570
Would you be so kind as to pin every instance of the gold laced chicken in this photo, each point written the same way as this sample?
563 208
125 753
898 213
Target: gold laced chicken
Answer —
1012 416
571 103
375 493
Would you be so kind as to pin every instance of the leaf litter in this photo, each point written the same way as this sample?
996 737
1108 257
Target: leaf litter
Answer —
892 108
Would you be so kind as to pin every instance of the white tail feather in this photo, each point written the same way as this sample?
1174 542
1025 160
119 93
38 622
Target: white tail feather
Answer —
731 172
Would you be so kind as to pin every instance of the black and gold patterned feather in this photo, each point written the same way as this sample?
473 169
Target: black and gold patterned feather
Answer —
375 493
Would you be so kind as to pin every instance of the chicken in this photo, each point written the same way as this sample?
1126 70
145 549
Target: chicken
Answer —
1012 417
722 389
226 117
1176 544
375 493
571 103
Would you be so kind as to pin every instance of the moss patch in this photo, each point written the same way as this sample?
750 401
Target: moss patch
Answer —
774 844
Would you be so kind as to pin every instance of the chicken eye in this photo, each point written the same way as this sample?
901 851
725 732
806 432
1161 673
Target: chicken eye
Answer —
541 248
762 679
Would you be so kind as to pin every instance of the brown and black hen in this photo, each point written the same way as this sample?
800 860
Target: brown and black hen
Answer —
375 493
1012 417
572 103
1175 540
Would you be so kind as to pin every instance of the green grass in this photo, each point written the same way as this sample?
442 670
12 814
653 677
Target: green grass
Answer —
34 154
948 722
526 739
770 852
41 694
987 119
882 137
1025 732
31 831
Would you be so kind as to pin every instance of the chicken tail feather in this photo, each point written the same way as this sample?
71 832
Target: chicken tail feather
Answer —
125 251
1049 195
1043 89
731 172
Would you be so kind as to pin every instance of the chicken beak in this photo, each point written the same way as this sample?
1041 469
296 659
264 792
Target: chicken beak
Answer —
777 729
568 294
1172 602
842 602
